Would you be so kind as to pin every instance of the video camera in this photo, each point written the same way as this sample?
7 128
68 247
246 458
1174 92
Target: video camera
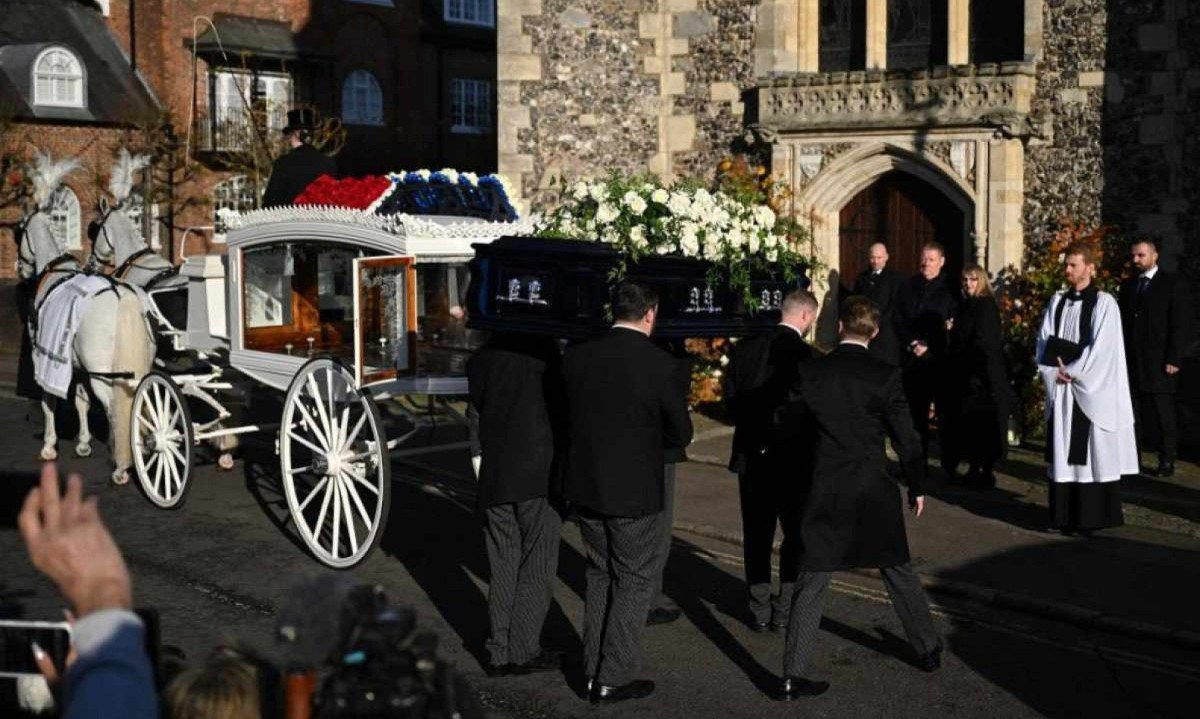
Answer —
348 653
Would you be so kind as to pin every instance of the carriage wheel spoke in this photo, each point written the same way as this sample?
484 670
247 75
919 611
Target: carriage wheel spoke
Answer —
353 434
349 517
312 427
316 395
316 528
362 509
312 494
179 456
143 424
173 483
299 470
158 475
342 424
329 396
337 516
160 405
305 442
363 481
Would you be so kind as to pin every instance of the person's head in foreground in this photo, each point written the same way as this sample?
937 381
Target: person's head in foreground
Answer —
858 320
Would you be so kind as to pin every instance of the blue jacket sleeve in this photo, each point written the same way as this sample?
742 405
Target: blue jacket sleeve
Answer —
112 677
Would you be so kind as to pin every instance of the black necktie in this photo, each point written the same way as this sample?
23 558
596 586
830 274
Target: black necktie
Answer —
1143 284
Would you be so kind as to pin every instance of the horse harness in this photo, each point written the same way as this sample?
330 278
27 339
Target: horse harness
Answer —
131 263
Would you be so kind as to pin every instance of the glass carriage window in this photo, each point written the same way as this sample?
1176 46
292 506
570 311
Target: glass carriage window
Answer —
443 341
362 99
916 34
843 35
238 194
470 106
263 275
997 30
58 79
471 12
64 218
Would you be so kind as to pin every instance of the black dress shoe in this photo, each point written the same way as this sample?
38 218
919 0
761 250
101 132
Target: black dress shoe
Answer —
661 615
546 661
607 694
932 661
779 626
498 670
796 687
1165 469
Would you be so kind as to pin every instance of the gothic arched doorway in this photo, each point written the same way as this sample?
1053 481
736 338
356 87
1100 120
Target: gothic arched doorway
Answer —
903 212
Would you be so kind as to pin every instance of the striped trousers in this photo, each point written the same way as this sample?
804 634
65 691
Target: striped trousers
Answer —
522 547
808 600
623 556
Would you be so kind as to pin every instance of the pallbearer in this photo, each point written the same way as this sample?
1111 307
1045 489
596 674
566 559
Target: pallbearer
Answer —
1089 437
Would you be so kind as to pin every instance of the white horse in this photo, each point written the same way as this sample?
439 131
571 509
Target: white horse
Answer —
113 338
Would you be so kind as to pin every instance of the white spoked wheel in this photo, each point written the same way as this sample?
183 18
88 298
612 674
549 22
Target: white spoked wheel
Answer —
162 440
334 459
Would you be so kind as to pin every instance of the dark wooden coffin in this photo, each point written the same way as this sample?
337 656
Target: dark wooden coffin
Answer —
561 288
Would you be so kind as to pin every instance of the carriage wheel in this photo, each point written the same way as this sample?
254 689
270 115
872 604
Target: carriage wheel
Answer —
335 464
162 440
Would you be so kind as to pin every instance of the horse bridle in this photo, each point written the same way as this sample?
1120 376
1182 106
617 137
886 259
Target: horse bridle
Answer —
102 231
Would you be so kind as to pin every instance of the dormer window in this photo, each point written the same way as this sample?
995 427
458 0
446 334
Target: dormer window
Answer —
58 79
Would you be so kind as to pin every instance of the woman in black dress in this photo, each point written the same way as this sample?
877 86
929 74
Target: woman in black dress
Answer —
978 422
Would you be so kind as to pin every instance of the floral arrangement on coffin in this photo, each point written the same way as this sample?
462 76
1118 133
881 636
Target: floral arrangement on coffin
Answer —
1023 294
639 216
420 192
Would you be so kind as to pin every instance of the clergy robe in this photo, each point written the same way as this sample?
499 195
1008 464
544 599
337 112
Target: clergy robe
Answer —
1084 491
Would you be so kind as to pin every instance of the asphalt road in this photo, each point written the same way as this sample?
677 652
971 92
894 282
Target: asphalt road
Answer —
220 566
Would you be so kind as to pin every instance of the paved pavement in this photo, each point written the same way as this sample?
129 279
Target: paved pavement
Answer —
221 564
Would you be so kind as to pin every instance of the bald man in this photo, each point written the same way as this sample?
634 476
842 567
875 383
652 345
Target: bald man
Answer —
879 283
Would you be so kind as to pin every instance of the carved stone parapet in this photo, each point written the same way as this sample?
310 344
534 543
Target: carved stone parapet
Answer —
946 96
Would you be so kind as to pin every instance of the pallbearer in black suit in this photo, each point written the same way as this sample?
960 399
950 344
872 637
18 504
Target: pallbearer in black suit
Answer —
853 515
1155 318
515 388
769 455
923 305
624 408
880 284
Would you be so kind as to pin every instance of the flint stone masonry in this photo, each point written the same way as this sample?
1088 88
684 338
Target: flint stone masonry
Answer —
694 24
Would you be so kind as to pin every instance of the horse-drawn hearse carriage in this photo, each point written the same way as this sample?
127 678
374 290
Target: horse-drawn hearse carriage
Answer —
335 310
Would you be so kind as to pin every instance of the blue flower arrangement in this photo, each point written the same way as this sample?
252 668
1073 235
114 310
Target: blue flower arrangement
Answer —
448 192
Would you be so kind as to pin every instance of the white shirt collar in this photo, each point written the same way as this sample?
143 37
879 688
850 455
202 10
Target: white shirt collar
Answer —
624 326
1150 273
860 343
793 328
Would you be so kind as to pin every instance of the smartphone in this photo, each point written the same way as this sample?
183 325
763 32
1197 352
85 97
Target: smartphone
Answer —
16 645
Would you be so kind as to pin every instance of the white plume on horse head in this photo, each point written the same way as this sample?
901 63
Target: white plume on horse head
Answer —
120 182
47 174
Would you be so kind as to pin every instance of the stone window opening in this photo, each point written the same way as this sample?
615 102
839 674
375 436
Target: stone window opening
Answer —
58 79
362 99
842 33
242 97
470 106
997 31
471 12
916 34
64 218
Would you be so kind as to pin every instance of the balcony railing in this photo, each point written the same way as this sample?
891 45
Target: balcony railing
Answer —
234 129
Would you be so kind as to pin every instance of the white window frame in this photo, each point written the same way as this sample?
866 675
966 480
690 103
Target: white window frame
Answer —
76 80
64 217
241 195
480 13
276 89
145 216
466 119
370 110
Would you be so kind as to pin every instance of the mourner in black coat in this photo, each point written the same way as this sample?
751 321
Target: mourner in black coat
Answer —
853 513
295 170
923 304
880 284
1155 318
515 386
771 455
624 409
980 398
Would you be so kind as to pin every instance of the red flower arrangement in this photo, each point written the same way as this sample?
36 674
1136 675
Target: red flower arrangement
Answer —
354 192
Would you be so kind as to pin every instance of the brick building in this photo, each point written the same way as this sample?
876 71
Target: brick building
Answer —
411 80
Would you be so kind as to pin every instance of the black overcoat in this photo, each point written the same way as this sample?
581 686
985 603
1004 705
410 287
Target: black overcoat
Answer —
853 515
922 308
515 384
760 375
1155 325
625 405
294 171
976 357
882 289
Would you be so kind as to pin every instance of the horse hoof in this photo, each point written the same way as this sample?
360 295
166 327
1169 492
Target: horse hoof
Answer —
225 462
48 454
83 450
120 477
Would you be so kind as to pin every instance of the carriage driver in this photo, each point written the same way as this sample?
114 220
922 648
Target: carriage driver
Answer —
293 171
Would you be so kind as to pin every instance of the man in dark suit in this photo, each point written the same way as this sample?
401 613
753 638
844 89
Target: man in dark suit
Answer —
880 284
767 455
514 383
1154 317
852 515
624 408
923 304
292 172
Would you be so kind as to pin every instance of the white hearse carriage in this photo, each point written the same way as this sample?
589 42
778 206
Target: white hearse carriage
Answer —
339 310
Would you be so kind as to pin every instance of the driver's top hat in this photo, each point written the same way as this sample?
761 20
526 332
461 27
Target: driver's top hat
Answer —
302 119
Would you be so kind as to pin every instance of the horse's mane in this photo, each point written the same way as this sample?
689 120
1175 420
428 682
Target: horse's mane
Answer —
47 174
120 182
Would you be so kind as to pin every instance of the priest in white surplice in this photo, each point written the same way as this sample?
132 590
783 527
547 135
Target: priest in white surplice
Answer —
1090 439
